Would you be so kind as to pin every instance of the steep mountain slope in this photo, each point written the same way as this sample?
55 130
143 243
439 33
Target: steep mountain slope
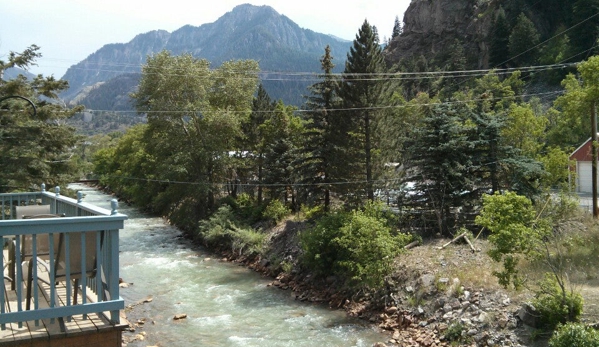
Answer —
247 32
432 28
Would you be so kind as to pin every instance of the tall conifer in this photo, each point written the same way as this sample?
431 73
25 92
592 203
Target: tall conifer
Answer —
361 93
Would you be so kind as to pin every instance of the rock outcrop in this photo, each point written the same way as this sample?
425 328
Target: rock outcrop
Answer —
430 27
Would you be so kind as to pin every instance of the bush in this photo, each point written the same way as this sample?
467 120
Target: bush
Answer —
222 230
248 209
555 305
312 212
357 247
574 335
276 211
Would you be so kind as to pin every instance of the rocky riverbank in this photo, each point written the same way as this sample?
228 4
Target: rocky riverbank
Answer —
428 301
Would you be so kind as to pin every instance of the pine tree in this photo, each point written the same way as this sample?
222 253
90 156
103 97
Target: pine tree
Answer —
361 91
35 145
584 36
324 135
500 39
262 105
523 39
397 29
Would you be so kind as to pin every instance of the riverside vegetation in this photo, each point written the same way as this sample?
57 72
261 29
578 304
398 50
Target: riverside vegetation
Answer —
295 193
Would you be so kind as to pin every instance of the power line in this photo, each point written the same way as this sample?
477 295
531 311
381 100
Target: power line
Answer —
545 94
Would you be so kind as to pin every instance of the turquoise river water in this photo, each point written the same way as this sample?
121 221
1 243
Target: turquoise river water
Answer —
226 305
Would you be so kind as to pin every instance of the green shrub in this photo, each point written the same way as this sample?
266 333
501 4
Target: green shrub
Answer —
555 305
248 209
357 247
574 335
516 232
454 332
312 212
222 230
319 253
276 211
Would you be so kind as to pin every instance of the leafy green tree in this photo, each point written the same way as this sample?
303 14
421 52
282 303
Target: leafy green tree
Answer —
35 144
194 120
515 231
525 130
570 119
358 246
523 39
361 91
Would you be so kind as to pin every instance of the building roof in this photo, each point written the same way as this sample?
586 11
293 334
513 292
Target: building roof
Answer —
583 153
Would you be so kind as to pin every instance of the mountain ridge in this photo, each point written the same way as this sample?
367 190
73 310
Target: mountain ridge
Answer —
246 32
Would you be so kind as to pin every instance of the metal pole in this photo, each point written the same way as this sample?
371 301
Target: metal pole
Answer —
594 157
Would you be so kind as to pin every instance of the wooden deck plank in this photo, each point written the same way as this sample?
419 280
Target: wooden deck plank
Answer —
52 326
27 331
7 334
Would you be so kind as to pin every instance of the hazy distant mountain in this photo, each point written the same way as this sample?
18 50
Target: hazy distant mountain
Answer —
247 32
13 72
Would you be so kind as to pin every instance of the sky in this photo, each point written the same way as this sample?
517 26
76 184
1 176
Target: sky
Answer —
68 31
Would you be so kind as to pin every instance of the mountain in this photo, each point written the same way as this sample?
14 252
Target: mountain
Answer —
247 32
432 29
13 72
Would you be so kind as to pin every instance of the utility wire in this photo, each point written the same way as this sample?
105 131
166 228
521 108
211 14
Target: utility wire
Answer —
545 94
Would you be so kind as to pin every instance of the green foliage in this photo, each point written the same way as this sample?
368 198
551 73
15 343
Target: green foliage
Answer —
324 155
574 335
358 246
276 211
363 97
515 231
556 306
35 145
571 114
312 212
454 333
523 39
222 229
248 208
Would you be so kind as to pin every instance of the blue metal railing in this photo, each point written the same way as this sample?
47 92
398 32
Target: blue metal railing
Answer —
86 232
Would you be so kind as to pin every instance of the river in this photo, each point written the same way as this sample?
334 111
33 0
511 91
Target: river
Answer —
226 304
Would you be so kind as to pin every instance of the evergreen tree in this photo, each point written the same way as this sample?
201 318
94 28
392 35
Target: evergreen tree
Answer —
499 42
397 29
281 137
262 106
584 36
440 157
323 158
35 144
523 39
361 91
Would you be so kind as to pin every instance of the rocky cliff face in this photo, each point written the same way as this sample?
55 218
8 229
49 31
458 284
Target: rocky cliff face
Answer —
431 26
247 32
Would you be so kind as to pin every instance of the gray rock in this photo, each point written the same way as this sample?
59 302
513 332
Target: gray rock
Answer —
528 315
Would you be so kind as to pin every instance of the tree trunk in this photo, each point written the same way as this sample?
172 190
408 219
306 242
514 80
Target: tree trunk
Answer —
367 148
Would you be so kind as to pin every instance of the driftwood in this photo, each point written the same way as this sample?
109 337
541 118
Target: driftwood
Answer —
412 245
461 236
